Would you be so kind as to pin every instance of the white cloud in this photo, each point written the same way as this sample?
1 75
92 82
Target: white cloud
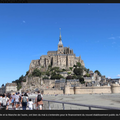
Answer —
118 75
23 21
111 38
108 77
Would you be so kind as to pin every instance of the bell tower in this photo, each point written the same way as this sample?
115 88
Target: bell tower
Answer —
60 45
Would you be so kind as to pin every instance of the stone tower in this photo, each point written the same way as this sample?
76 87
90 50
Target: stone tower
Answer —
60 45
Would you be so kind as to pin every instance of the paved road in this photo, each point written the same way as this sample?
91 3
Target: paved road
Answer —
108 100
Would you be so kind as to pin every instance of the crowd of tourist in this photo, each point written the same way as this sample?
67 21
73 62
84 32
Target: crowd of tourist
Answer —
17 100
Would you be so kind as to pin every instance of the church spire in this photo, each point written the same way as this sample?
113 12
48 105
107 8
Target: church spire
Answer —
60 40
60 35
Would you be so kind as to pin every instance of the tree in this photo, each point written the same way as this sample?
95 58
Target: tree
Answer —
96 71
21 78
48 73
78 64
75 66
87 70
56 76
49 66
81 79
71 68
78 71
87 75
27 72
69 77
74 77
36 73
63 69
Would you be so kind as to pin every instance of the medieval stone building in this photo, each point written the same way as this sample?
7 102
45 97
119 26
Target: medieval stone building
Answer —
64 58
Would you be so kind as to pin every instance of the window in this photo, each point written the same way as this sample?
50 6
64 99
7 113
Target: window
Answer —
60 46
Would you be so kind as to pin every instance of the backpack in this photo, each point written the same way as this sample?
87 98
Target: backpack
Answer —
4 101
24 99
39 98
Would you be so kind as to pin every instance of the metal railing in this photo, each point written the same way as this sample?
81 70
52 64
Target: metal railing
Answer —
77 104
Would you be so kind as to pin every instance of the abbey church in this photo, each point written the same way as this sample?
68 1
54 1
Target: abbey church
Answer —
63 58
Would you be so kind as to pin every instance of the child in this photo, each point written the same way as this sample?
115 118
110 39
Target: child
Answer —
30 104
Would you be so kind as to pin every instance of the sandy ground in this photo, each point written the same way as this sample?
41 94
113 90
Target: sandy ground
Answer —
109 100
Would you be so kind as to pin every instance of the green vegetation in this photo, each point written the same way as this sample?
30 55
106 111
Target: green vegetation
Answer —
78 71
96 71
18 81
27 72
63 69
69 77
71 68
69 73
36 73
48 73
49 67
87 75
56 76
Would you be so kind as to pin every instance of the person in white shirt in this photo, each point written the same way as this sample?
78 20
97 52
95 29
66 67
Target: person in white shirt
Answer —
30 104
4 101
17 100
0 99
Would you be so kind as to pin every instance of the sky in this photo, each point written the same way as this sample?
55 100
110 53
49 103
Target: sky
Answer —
28 31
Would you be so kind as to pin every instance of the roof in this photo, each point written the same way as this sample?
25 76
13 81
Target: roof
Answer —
63 72
73 80
52 51
60 43
11 84
115 79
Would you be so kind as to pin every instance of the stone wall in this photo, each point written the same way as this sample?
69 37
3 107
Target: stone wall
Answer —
10 88
115 88
53 91
88 90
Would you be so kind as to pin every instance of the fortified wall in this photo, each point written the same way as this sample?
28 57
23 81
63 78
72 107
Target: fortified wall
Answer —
94 89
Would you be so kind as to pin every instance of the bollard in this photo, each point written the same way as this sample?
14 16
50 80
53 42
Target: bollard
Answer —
63 106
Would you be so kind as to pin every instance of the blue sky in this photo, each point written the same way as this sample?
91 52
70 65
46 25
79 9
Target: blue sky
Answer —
28 31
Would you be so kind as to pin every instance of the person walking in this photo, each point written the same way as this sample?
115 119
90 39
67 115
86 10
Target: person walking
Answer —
0 100
30 104
13 99
17 101
8 101
24 101
39 102
20 99
4 101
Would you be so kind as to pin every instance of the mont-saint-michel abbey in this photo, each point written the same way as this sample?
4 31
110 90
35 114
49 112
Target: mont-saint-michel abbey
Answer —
64 58
61 72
